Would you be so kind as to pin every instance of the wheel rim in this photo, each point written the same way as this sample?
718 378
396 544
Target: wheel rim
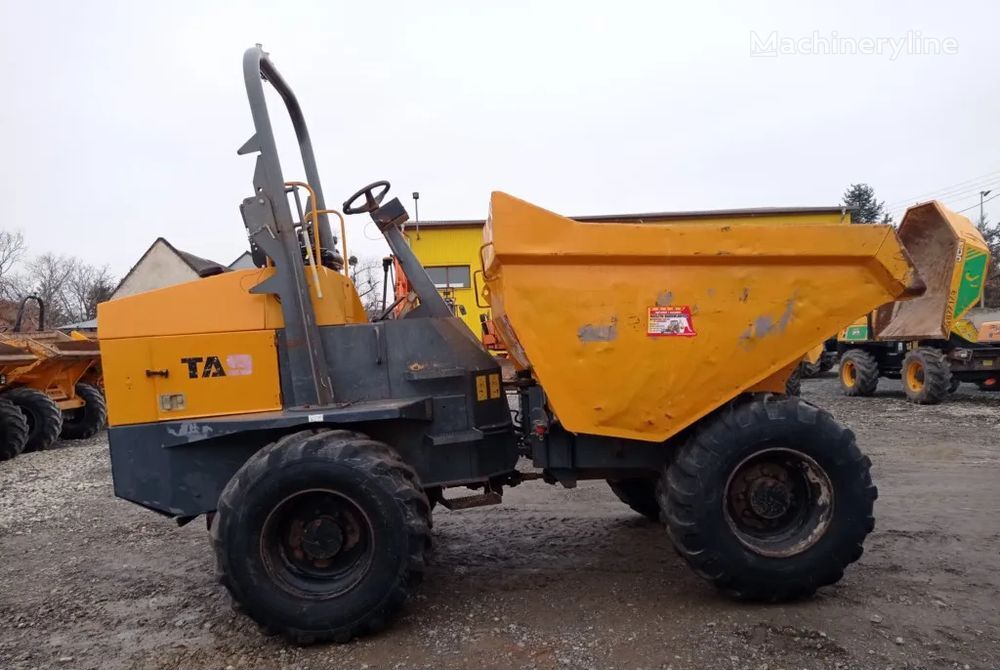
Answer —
317 544
848 374
778 502
915 376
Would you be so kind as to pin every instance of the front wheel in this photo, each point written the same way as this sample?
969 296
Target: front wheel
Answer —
769 500
321 535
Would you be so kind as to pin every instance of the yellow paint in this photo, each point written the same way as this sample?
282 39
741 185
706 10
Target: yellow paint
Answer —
848 374
915 375
459 244
249 360
222 304
214 316
440 247
494 386
571 299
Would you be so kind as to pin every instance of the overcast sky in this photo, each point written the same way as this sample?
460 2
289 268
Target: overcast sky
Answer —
121 121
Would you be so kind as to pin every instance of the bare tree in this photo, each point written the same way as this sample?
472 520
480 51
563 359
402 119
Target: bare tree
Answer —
70 288
366 274
11 250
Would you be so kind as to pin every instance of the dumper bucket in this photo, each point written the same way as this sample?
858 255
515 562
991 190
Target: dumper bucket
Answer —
61 361
952 258
12 359
636 330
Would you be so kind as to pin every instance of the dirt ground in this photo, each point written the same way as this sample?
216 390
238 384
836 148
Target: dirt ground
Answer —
550 578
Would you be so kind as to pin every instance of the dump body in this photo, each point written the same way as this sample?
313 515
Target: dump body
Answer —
12 359
637 330
952 258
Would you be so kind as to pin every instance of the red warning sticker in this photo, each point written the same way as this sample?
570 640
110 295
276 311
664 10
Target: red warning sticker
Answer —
670 321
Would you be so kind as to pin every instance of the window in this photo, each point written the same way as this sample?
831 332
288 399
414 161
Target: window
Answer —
450 276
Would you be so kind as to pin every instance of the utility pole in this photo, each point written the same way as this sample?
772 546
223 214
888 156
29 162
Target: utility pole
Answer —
982 224
416 210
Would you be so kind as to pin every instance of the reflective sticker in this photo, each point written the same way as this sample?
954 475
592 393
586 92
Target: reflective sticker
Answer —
315 418
239 364
495 386
481 387
670 321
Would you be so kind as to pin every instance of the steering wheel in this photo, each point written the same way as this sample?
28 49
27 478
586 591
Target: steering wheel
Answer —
372 201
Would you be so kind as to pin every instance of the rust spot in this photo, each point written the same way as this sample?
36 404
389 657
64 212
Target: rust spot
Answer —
726 229
745 295
416 367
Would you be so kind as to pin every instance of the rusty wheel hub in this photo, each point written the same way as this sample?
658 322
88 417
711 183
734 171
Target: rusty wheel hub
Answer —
317 543
778 502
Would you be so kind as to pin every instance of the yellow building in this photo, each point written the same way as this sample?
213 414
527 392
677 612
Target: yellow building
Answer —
449 250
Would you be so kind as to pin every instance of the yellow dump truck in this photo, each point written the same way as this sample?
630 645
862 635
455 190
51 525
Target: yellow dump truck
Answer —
651 355
49 390
927 342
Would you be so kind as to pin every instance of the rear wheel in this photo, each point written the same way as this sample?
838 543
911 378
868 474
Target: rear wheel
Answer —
858 373
769 500
13 430
322 535
793 385
955 383
86 421
43 416
809 370
639 494
926 376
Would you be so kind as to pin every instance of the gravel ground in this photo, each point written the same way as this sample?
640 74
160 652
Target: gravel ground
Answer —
551 578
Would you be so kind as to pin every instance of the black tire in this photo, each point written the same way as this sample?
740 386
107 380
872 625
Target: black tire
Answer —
809 370
719 531
826 363
858 373
926 376
639 494
13 430
353 495
43 416
86 421
793 385
955 383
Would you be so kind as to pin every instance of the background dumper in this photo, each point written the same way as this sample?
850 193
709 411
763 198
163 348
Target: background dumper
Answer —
927 342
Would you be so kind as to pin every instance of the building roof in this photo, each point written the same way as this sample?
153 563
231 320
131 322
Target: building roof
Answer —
651 217
196 263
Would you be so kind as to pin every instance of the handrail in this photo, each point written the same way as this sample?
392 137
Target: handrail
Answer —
343 234
313 212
